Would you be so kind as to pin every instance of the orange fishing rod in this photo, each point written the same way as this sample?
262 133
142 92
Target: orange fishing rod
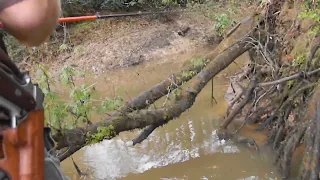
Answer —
97 16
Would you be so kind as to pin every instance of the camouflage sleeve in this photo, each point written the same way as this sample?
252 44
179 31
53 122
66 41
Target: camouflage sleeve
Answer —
6 3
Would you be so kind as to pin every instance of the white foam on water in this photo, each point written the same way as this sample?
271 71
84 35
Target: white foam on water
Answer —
192 133
116 158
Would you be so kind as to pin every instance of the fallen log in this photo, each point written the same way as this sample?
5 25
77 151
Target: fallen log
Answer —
138 102
161 89
78 137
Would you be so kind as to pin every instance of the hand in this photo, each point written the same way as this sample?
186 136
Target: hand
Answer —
31 21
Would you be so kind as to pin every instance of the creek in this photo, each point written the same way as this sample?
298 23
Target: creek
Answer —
185 148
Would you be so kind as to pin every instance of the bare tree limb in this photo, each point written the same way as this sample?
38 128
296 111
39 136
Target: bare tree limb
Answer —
295 76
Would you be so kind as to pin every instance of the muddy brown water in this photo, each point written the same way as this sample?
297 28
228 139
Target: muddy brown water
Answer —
186 148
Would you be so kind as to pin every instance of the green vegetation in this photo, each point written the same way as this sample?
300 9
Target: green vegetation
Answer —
199 62
311 10
299 61
73 7
223 21
76 110
69 105
103 133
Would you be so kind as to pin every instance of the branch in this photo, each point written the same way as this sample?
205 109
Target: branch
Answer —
295 76
145 133
232 30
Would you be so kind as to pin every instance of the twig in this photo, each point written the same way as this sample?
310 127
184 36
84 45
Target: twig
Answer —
232 30
80 173
172 80
295 76
212 97
234 91
167 97
257 101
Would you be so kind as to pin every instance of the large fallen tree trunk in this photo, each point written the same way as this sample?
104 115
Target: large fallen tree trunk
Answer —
163 88
77 138
158 91
175 80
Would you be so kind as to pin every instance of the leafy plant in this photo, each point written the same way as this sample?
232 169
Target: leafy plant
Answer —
77 108
187 74
223 21
55 107
199 62
110 104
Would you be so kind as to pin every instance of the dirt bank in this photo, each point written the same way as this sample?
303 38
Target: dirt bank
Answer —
118 43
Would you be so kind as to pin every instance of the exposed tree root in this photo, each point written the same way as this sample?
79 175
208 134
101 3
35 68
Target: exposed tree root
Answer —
289 147
282 107
310 164
279 137
247 97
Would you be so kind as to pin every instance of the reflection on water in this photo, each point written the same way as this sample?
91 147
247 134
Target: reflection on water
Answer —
185 148
114 158
173 153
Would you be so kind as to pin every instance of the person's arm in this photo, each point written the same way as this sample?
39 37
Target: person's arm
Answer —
30 21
